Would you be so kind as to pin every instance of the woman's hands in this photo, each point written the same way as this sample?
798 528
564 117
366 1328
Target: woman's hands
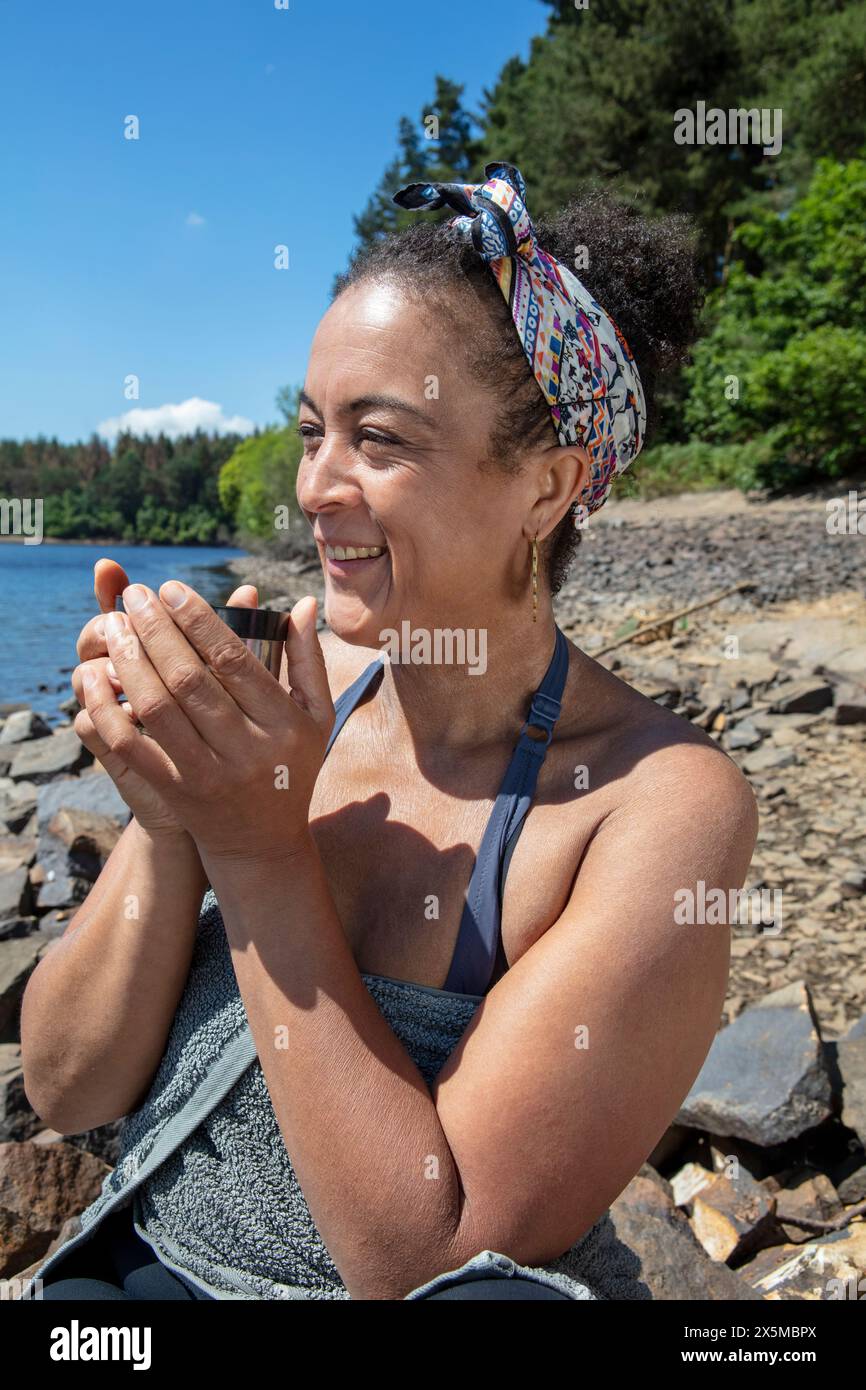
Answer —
229 753
149 809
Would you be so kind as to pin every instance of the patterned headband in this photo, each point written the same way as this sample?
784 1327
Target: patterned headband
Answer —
579 358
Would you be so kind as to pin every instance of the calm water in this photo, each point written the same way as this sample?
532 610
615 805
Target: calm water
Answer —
47 597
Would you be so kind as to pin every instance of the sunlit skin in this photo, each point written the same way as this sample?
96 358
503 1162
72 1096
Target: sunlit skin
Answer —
533 1136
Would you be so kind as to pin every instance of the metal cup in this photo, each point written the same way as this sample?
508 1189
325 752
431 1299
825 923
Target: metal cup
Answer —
262 630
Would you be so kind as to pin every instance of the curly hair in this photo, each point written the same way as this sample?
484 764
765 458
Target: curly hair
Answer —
643 271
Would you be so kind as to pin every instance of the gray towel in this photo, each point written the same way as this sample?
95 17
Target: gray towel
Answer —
204 1162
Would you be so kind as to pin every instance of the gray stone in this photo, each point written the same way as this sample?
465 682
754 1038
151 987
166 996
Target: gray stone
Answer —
19 956
765 1078
24 724
769 759
851 1059
18 1120
853 883
801 697
744 735
16 851
849 1179
90 804
850 704
17 803
15 892
18 926
41 759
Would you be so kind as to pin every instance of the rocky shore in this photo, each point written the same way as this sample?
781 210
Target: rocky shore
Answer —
758 1190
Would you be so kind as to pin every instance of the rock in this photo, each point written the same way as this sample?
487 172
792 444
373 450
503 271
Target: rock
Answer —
8 707
16 851
851 1060
23 725
849 1179
731 1217
67 1231
853 883
17 803
14 892
79 820
807 1195
41 759
54 923
41 1186
103 1142
765 1078
850 703
830 1267
769 759
18 926
89 837
744 735
691 1179
673 1264
17 1118
801 697
18 959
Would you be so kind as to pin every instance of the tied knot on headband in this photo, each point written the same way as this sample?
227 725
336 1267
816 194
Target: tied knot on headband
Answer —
578 356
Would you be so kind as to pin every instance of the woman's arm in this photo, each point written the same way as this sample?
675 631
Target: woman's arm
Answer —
98 1008
565 1079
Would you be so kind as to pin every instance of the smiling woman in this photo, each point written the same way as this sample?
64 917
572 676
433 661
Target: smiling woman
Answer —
359 1069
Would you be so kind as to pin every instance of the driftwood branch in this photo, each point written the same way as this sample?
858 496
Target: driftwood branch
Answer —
673 617
821 1227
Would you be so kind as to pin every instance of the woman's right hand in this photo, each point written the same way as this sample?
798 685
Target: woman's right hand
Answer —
110 579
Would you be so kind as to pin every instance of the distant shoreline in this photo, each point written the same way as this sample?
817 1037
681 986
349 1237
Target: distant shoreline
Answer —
115 540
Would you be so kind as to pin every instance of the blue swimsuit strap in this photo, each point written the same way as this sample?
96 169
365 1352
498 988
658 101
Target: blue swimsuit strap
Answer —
477 942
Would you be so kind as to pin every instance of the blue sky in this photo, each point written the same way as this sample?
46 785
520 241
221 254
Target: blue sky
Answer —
270 126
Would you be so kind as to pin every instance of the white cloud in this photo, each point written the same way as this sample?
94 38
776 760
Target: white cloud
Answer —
174 420
194 219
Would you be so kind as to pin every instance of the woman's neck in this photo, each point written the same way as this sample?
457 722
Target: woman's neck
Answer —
454 691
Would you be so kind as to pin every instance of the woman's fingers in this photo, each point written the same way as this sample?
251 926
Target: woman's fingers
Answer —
109 725
245 597
76 680
305 662
109 580
201 639
169 690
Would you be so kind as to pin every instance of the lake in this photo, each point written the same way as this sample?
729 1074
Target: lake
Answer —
47 595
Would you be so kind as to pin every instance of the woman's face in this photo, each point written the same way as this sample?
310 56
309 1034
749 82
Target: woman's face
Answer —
394 430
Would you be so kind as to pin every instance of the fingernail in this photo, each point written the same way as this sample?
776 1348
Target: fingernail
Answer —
173 593
134 597
88 679
111 671
115 625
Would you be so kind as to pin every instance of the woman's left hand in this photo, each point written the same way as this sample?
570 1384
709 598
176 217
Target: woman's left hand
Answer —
232 752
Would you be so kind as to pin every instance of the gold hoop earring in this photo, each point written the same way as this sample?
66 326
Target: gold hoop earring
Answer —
535 578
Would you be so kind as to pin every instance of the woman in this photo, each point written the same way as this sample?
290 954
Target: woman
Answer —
349 1075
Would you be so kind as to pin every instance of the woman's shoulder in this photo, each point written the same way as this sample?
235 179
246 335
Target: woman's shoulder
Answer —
639 748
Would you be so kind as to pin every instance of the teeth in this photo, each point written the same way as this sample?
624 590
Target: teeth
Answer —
351 552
